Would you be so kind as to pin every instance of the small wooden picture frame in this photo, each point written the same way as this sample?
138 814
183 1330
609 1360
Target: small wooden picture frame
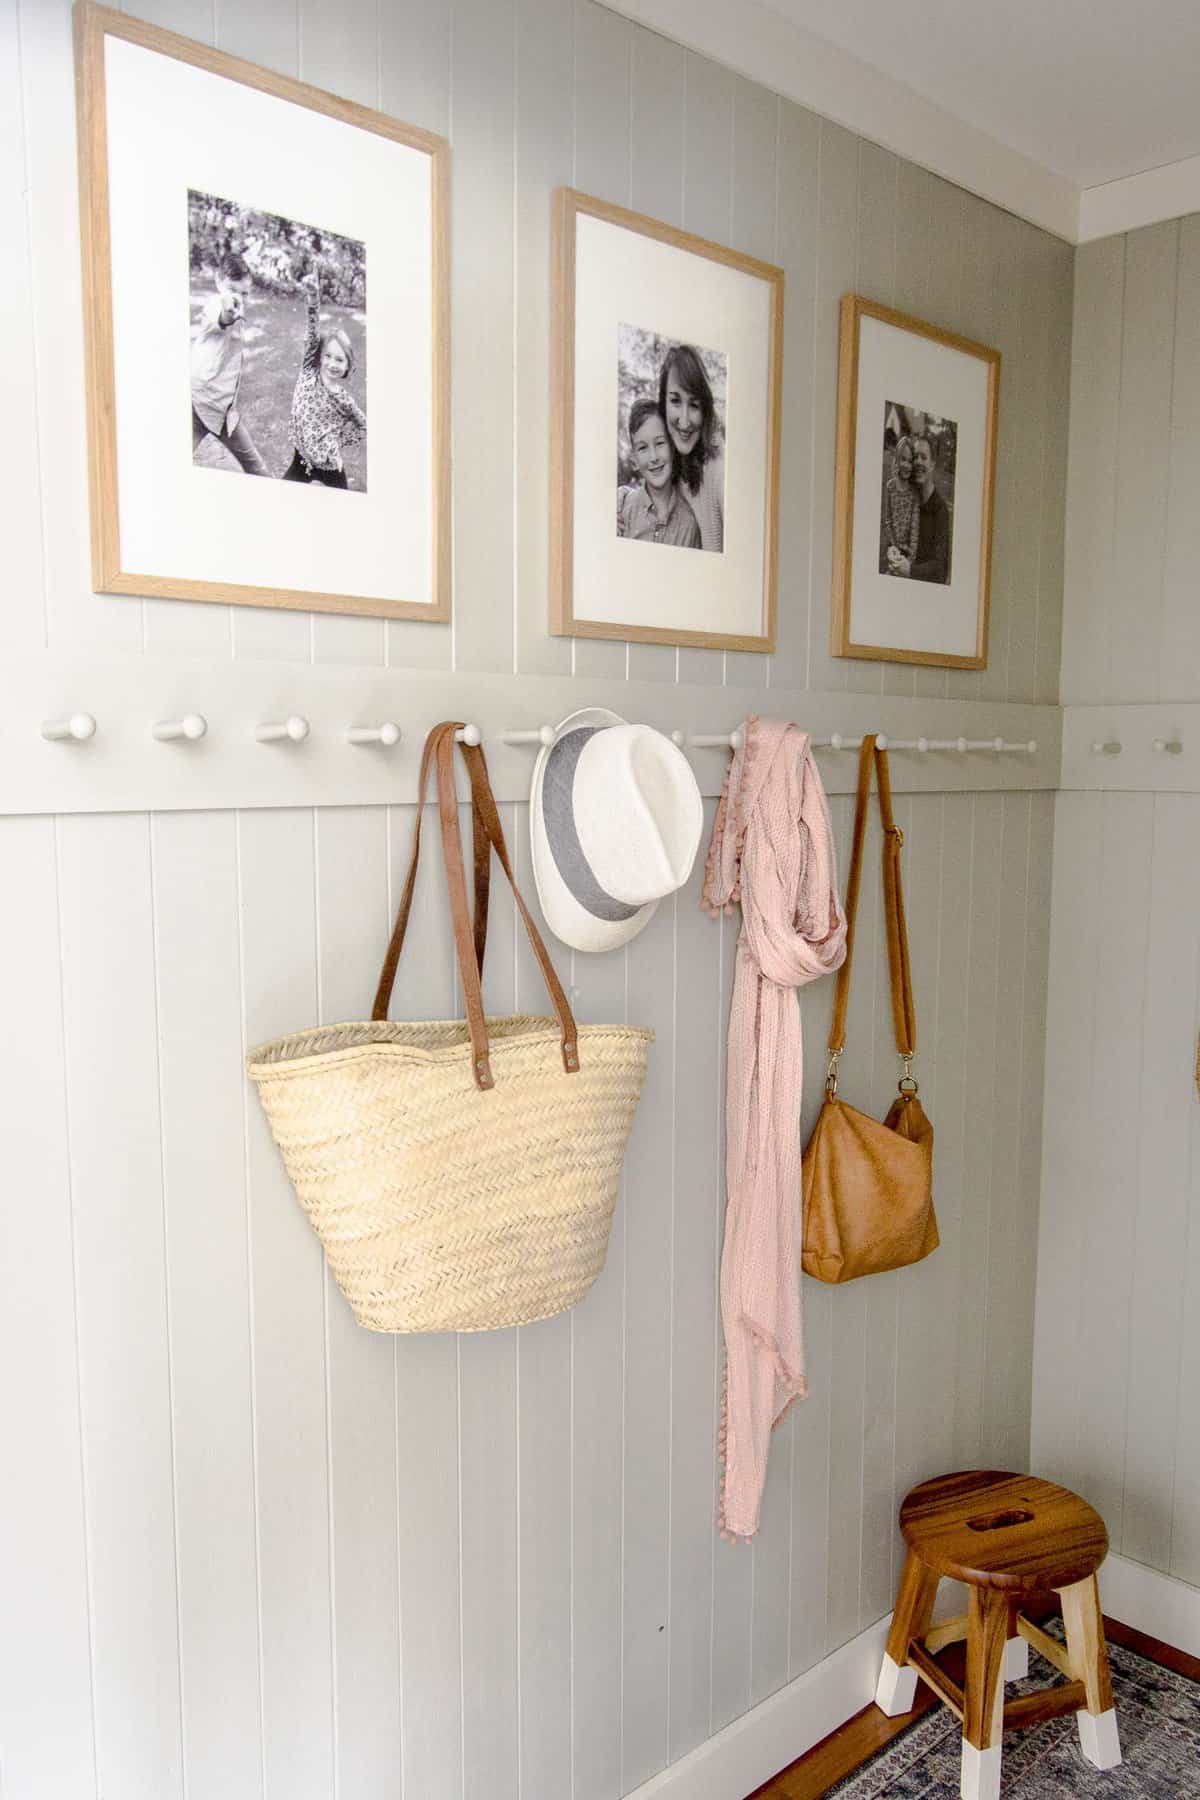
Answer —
230 220
665 417
914 490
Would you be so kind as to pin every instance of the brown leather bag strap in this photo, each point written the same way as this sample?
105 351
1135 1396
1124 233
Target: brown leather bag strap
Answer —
899 968
469 937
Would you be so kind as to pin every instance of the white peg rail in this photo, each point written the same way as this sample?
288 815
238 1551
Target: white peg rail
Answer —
1145 748
123 768
732 740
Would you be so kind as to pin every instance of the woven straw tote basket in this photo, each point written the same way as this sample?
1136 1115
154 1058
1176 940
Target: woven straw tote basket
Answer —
462 1174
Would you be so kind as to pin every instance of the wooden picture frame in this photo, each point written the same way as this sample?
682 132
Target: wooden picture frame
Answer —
719 602
943 619
419 561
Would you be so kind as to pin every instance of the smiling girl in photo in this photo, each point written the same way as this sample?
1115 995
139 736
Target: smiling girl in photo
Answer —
653 509
685 400
325 416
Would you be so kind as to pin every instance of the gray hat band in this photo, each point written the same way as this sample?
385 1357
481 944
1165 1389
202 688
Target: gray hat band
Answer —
558 817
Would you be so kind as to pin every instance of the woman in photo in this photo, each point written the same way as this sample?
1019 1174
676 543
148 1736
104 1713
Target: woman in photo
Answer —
325 416
652 509
901 510
685 400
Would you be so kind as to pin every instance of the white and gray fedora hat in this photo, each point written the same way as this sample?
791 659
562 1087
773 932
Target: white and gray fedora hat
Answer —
615 820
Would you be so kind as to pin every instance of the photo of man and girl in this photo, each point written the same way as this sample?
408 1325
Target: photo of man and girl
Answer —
278 387
916 527
670 441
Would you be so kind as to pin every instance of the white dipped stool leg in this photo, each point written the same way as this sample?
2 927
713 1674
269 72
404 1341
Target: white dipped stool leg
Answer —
980 1772
1099 1739
896 1689
983 1695
1016 1659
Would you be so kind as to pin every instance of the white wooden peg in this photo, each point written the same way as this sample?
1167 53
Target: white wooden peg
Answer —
720 740
387 734
192 727
1109 747
291 731
75 730
1171 746
542 734
469 734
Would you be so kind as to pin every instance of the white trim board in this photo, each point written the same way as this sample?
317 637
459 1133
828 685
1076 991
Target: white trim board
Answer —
778 1730
757 42
1160 1605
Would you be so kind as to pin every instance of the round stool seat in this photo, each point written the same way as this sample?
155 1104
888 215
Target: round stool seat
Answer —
996 1530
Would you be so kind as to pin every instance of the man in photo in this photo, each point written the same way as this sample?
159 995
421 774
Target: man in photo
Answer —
217 356
932 559
653 509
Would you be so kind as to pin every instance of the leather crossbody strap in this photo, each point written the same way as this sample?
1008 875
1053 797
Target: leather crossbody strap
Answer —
469 935
903 1013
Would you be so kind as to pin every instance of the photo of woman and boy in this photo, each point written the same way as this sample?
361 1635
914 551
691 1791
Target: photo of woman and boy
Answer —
670 441
276 390
916 527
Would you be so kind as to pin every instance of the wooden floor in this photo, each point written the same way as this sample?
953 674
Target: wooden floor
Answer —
861 1737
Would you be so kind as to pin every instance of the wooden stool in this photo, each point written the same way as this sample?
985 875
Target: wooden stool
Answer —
1005 1536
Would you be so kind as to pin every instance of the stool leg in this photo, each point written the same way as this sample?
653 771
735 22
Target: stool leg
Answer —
983 1694
896 1689
1016 1651
1098 1736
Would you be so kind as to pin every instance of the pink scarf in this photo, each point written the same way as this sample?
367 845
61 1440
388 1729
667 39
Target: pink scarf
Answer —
772 849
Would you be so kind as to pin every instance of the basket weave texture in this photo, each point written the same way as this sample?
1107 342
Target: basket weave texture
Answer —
441 1207
460 1173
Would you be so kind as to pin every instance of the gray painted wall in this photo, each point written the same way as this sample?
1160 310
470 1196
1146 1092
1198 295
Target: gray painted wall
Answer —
247 1548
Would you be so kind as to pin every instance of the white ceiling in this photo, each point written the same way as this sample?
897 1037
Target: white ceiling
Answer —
1093 90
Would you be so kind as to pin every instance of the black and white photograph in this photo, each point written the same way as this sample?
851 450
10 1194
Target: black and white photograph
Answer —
670 441
278 345
916 524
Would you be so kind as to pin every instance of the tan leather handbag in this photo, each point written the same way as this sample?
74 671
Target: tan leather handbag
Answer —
868 1187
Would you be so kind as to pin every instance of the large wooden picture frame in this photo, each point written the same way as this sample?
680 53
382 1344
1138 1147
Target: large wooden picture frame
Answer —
664 337
193 166
914 490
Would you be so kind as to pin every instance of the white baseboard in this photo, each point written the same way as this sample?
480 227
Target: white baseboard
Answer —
774 1733
1157 1604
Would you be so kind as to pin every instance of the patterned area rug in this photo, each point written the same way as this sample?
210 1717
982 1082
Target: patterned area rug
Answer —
1158 1714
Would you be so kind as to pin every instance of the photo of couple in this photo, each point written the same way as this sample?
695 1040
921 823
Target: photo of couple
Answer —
670 441
277 389
916 529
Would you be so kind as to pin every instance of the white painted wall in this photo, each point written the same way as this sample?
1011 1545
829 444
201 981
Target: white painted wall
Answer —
1118 1310
246 1548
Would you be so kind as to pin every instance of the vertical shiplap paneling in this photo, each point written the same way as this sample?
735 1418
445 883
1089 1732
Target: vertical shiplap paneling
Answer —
603 166
427 1407
545 125
1179 663
482 319
597 1459
1143 460
269 35
1059 298
836 268
1023 377
1070 1153
754 229
112 1076
875 276
1106 1265
204 1203
649 1290
1092 470
351 900
980 1000
1166 1104
76 620
544 1522
1184 1559
796 251
24 626
707 208
657 135
278 906
699 1104
487 1368
46 1708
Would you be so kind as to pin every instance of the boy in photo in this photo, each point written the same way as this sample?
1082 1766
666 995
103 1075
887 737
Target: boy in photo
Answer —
217 355
653 510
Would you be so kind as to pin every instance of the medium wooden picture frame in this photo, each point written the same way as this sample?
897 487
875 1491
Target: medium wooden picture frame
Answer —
257 217
914 490
677 342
